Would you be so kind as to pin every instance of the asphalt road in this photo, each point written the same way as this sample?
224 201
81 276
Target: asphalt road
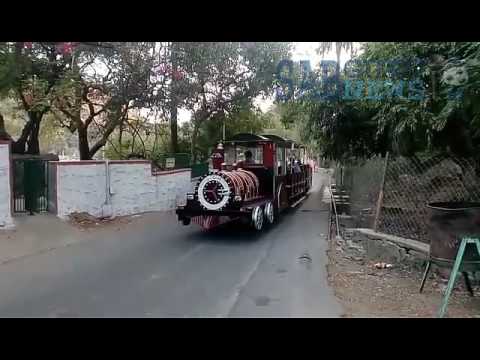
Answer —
158 268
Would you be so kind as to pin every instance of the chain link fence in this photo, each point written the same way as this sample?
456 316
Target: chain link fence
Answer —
361 179
408 185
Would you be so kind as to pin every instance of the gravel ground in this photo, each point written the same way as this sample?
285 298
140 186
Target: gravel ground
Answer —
86 221
366 291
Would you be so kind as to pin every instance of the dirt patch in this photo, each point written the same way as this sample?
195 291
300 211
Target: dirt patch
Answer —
85 221
366 291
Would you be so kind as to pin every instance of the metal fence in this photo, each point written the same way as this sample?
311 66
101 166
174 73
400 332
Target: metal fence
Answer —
180 161
30 185
173 161
362 181
408 185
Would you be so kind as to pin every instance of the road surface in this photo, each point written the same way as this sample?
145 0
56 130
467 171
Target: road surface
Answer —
156 267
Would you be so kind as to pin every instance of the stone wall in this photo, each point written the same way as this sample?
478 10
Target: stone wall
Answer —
386 248
80 188
83 186
379 247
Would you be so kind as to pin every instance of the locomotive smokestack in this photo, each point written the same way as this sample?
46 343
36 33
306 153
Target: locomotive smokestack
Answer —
218 157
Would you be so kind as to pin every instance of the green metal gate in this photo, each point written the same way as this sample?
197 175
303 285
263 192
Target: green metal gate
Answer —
30 185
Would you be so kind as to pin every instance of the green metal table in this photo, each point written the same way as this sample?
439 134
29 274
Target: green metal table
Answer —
456 266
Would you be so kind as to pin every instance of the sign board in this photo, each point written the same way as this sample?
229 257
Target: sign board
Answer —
170 163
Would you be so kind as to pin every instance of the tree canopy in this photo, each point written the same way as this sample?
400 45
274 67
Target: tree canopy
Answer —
105 90
404 98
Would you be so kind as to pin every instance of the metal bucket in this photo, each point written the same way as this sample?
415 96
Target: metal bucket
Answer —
448 223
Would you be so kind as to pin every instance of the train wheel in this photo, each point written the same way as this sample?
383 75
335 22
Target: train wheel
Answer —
186 221
257 218
269 212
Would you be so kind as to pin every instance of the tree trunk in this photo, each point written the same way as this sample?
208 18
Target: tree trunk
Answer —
112 125
19 146
194 142
30 134
95 148
83 146
4 135
132 149
174 103
173 128
120 137
33 141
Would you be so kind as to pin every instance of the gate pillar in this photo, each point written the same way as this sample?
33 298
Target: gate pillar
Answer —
6 220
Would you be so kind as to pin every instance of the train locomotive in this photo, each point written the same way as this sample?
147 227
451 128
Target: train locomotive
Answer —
254 179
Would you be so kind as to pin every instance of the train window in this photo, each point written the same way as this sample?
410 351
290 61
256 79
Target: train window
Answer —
303 156
257 152
281 160
235 154
296 154
291 154
229 155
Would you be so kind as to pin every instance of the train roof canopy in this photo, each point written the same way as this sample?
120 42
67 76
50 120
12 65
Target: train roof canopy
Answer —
246 137
282 141
275 138
252 138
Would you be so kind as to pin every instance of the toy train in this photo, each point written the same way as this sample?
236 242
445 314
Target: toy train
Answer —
254 179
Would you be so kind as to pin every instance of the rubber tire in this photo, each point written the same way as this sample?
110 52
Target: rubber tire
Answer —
257 218
267 220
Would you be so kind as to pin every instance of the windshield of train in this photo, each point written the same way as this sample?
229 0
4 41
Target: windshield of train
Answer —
237 153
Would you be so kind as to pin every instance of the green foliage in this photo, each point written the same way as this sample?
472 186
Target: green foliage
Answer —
427 123
14 116
91 90
447 118
53 138
139 139
211 132
7 72
222 79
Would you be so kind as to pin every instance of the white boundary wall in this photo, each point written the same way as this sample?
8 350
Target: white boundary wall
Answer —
6 221
81 186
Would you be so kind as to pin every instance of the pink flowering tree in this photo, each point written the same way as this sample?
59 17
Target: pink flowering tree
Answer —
30 73
105 85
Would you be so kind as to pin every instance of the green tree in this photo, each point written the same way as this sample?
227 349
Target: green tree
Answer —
222 78
385 116
106 83
326 47
210 132
28 73
440 120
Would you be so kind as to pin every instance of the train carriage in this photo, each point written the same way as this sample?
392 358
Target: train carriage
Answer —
254 179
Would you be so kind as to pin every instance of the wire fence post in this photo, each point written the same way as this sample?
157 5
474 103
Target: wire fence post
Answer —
380 195
341 175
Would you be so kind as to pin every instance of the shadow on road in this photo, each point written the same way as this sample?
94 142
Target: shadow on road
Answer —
235 233
232 233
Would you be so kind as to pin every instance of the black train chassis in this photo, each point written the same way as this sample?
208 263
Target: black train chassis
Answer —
193 209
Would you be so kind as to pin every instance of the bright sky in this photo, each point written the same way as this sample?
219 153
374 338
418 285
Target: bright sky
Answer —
302 51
